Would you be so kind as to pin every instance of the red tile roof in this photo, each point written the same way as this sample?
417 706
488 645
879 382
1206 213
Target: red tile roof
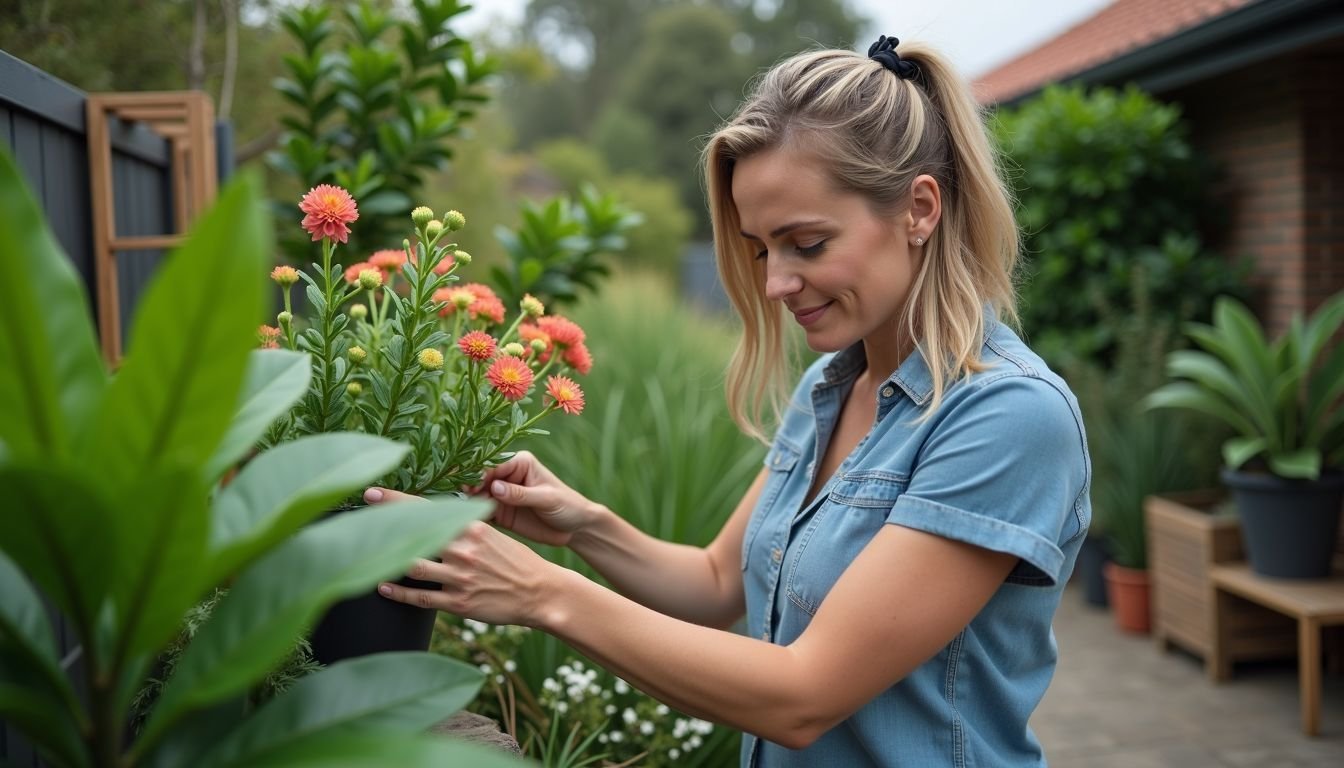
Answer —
1119 28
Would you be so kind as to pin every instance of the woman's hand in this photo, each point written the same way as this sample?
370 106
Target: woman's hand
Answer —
532 502
485 575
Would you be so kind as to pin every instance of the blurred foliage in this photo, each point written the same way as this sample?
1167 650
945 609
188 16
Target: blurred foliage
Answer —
378 95
1106 182
1137 452
658 242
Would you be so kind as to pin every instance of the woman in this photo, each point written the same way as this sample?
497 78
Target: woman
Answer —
900 556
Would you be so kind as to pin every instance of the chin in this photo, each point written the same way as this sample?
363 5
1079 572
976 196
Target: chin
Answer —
824 343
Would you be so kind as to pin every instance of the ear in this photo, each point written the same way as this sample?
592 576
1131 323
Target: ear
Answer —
926 209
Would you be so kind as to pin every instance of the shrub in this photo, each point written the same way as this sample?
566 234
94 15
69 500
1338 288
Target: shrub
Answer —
1106 181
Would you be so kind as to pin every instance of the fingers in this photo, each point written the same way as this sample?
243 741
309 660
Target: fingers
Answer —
517 495
420 598
378 495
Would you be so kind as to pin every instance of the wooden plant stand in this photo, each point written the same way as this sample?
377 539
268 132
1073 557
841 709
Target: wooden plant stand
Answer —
1185 542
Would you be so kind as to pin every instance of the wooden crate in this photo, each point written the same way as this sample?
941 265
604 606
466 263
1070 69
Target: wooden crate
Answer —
1185 537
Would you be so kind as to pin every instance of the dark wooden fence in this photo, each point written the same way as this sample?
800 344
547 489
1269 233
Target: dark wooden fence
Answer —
42 125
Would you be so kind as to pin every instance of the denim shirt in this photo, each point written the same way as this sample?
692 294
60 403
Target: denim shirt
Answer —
1001 465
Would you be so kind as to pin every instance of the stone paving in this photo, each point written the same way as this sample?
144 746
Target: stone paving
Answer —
1119 702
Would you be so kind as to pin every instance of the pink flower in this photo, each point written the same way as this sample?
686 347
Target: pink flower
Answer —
269 336
510 376
527 332
329 210
352 271
477 345
388 260
567 395
579 358
487 304
562 330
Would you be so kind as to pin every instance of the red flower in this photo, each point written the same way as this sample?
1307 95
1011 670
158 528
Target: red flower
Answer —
567 395
511 376
487 304
561 330
329 210
477 345
579 358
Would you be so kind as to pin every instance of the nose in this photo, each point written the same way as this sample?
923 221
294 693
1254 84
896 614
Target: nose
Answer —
780 282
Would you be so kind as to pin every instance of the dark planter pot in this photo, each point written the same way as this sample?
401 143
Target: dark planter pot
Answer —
1090 567
370 623
1289 526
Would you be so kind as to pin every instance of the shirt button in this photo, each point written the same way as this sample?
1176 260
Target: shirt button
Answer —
888 391
776 554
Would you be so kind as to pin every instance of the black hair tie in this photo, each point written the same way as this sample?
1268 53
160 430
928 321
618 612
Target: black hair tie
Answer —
884 51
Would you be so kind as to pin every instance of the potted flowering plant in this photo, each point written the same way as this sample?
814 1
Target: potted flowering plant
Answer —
400 349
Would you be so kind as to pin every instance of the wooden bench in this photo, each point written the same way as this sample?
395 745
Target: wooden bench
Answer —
1314 604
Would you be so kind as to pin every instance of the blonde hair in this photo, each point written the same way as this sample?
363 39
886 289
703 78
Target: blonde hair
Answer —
875 132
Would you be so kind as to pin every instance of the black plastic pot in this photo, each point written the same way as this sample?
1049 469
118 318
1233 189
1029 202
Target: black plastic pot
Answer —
1290 527
370 623
1090 567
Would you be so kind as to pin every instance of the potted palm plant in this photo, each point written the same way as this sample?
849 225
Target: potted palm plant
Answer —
1282 399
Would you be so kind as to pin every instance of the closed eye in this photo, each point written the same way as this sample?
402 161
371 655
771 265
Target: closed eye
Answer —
812 250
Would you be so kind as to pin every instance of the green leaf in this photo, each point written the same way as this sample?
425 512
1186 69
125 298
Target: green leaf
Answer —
51 376
280 596
1239 450
287 486
1211 374
44 722
382 748
1195 398
275 380
56 518
400 691
170 402
1304 464
27 643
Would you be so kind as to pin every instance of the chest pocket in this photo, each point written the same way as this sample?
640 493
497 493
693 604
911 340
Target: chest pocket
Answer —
848 518
780 461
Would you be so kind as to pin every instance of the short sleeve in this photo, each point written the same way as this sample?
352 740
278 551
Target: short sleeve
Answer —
1005 468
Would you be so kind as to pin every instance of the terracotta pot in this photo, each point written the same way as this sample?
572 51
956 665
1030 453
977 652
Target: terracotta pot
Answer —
1127 591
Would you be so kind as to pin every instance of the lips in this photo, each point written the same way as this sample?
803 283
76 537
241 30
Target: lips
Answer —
809 315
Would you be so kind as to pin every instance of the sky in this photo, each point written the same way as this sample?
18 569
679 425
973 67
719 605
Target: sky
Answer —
976 35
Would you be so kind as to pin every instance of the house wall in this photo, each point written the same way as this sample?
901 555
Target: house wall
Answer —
1276 132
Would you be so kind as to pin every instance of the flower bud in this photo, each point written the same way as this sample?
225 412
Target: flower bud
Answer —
462 298
433 229
284 318
422 215
462 257
538 346
354 389
357 355
454 221
370 279
430 359
531 306
513 349
285 276
359 311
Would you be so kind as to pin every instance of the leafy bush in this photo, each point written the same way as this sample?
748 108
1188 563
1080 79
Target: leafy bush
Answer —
1106 182
125 527
378 97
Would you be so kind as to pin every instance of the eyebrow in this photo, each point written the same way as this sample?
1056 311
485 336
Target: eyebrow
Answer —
787 228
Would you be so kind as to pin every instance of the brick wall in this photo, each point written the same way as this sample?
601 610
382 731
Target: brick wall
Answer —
1276 132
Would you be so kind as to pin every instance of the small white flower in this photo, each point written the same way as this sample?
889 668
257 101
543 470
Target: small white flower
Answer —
563 670
510 665
610 709
686 745
617 737
562 707
621 686
549 684
478 626
468 636
680 728
603 738
702 727
646 728
629 716
695 742
499 679
662 710
485 669
574 692
593 690
673 753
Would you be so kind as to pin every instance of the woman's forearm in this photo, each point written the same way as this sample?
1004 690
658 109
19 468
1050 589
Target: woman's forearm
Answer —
679 580
704 672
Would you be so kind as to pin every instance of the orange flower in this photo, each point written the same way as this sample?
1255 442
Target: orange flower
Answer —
487 304
567 395
510 376
528 331
388 260
285 275
579 358
329 210
352 271
561 330
477 345
269 336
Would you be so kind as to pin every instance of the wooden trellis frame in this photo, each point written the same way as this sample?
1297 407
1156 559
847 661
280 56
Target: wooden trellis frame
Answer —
186 119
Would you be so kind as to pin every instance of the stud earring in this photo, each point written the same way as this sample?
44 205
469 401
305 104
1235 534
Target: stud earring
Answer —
919 241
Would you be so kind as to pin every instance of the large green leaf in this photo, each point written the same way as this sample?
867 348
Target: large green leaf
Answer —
1323 325
1250 356
50 374
1194 398
1304 464
280 596
289 485
275 380
1239 450
1210 373
172 401
382 748
43 721
57 531
25 635
1323 392
400 691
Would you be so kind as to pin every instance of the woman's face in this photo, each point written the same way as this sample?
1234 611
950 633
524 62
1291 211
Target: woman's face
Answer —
840 269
